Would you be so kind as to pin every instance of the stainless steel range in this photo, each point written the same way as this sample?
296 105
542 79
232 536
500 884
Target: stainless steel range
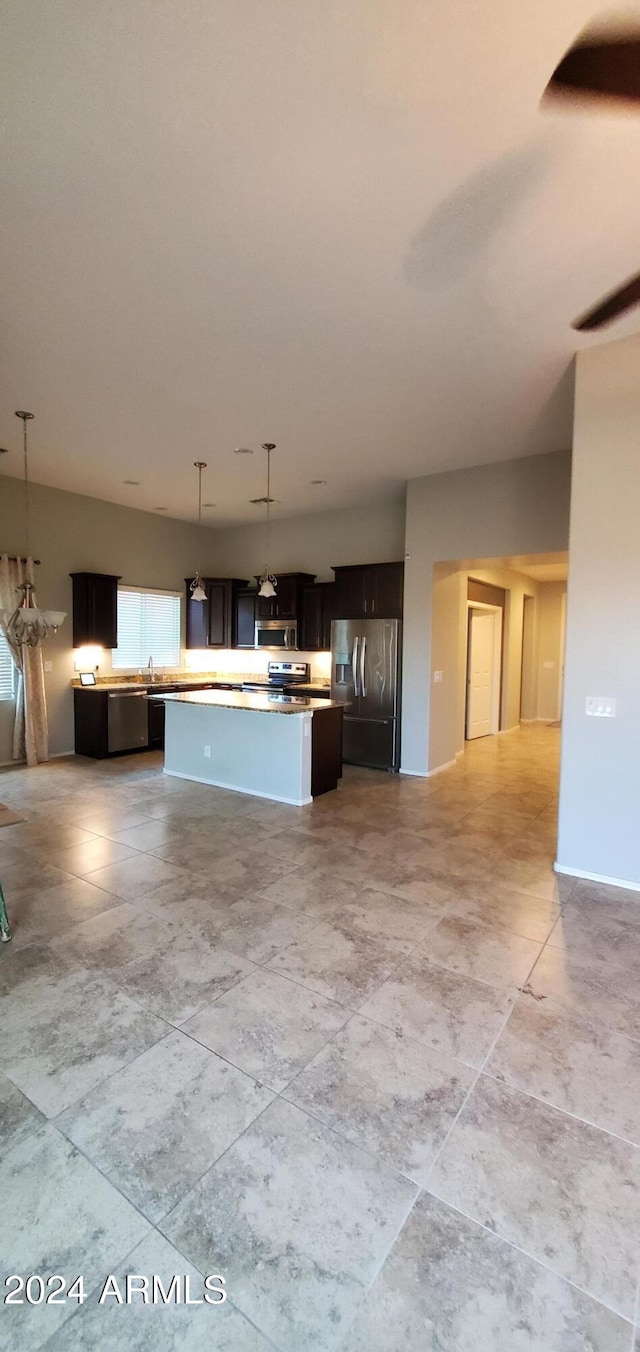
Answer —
281 675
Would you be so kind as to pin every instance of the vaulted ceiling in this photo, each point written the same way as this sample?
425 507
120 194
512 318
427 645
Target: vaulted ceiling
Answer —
344 226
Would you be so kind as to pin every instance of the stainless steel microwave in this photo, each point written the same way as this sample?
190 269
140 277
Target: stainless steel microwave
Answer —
276 634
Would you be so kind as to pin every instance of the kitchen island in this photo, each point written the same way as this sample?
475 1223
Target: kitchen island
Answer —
285 747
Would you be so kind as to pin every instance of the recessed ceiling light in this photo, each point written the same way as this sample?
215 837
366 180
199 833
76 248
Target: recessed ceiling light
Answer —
242 450
318 481
159 509
133 483
259 502
208 504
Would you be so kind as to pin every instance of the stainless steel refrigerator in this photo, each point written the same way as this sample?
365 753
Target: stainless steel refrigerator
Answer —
365 673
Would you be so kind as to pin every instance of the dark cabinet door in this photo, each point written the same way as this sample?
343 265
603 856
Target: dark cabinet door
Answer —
197 631
311 628
373 590
219 601
156 724
328 612
245 613
350 593
95 609
384 592
286 599
265 607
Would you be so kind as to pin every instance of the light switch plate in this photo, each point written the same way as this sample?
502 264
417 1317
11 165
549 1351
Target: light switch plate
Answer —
549 665
48 666
437 677
600 706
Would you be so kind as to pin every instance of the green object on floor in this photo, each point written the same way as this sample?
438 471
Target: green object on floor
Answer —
5 929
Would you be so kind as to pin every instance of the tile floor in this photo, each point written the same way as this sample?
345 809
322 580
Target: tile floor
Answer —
371 1060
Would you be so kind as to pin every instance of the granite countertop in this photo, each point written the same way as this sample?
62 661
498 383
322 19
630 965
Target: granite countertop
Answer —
243 699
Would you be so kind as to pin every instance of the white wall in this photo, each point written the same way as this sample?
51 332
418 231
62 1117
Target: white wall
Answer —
490 511
312 544
600 777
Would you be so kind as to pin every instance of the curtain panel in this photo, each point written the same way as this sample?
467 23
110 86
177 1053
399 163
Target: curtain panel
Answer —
30 731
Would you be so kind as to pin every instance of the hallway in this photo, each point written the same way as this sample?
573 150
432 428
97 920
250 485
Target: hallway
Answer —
371 1060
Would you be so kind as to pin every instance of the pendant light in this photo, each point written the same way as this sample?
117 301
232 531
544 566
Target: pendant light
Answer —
197 590
268 582
27 625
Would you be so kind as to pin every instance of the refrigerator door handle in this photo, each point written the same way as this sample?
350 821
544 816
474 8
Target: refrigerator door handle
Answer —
363 679
354 665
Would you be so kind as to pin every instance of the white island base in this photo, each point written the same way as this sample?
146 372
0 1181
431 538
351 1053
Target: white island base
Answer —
284 752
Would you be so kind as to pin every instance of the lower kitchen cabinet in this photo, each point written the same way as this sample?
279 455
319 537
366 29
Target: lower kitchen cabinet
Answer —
156 724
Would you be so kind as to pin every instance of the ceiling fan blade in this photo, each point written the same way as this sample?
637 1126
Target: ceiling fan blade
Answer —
613 305
600 67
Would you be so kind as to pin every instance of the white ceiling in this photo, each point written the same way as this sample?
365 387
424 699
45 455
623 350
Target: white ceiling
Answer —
344 227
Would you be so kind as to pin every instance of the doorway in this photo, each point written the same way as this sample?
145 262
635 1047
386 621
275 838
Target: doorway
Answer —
484 654
528 690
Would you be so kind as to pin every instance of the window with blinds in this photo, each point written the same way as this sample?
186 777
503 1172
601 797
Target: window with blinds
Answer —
7 670
148 626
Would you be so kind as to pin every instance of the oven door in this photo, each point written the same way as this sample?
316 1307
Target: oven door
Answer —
276 634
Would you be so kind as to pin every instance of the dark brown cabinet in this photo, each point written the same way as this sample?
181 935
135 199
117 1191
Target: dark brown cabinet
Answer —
95 609
314 633
287 602
156 724
212 623
367 591
245 618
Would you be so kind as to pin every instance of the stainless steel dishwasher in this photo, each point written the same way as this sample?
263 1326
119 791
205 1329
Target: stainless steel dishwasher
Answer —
127 720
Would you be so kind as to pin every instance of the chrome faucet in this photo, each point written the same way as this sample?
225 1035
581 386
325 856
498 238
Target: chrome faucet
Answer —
151 671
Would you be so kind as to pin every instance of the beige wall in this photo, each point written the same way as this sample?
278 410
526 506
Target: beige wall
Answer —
312 544
71 534
600 775
551 610
515 507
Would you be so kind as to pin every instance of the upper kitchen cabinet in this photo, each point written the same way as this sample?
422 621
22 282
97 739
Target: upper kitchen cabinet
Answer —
95 609
212 623
287 602
314 633
369 590
245 618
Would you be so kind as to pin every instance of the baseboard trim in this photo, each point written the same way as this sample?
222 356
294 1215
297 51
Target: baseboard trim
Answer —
415 774
236 788
596 877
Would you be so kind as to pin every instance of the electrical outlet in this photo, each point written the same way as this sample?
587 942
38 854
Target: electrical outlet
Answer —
48 666
600 706
207 752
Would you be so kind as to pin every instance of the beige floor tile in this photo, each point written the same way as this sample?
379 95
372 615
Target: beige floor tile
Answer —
451 1286
583 1068
487 953
384 1092
152 1146
135 877
268 1026
299 1220
436 1006
564 1192
337 963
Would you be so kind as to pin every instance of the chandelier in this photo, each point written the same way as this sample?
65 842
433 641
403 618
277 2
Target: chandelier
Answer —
27 625
198 592
268 582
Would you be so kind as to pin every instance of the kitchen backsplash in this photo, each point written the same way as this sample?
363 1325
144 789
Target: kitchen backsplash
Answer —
250 663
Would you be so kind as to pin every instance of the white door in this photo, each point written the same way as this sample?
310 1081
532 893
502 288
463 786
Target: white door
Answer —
480 673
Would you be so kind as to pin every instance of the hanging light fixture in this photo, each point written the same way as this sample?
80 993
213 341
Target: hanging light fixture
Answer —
27 625
268 582
197 590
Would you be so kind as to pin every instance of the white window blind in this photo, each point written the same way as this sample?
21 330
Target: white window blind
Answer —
7 670
148 626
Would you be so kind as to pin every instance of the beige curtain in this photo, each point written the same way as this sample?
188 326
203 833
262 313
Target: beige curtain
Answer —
30 731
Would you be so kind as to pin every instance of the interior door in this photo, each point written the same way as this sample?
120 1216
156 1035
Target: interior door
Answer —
480 672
